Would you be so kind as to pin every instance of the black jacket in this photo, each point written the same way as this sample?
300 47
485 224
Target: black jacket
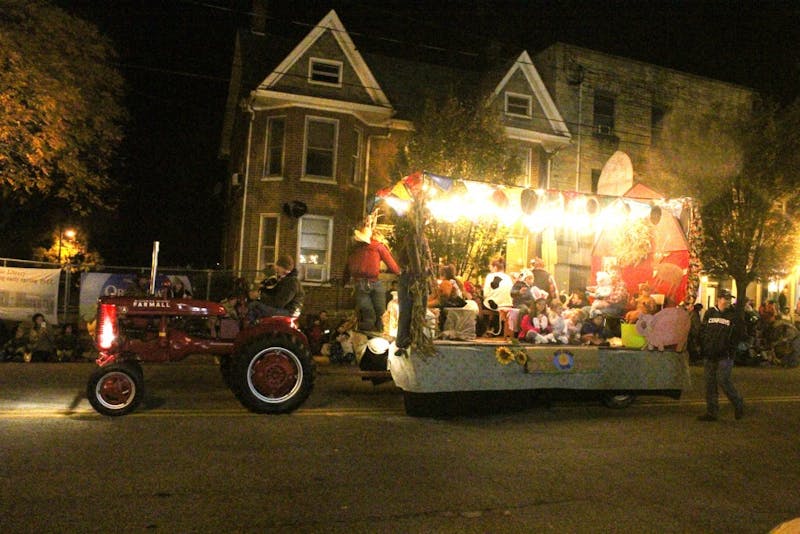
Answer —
719 333
287 294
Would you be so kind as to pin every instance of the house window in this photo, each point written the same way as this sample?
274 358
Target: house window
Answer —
315 247
358 149
603 114
273 152
320 156
518 105
268 241
524 158
325 72
656 124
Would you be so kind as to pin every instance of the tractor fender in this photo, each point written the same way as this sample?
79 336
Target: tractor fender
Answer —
268 326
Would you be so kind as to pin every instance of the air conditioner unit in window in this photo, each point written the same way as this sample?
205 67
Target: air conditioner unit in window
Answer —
315 273
235 179
603 129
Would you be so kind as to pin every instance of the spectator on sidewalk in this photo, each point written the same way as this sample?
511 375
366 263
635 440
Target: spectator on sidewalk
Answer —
41 341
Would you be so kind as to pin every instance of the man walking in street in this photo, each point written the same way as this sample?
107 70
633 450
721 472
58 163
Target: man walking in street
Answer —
719 334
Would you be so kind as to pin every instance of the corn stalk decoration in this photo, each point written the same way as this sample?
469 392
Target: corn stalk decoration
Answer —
412 251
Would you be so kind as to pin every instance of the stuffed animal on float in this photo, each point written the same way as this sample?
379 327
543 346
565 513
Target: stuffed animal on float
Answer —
669 326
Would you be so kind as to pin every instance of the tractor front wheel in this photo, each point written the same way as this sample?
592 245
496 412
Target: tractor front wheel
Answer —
116 389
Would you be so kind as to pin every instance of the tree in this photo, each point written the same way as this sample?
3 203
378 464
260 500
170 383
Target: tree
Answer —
69 247
62 118
744 171
461 138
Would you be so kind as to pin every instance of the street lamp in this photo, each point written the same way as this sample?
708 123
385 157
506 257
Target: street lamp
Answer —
69 233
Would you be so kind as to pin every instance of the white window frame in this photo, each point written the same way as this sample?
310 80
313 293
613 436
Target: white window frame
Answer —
315 178
529 112
358 156
313 61
262 261
324 266
265 177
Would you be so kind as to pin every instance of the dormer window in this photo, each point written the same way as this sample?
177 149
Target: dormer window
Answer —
325 72
518 105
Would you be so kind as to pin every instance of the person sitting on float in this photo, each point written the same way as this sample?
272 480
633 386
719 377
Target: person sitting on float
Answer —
574 319
559 324
577 299
543 279
610 295
497 286
523 295
447 293
535 326
645 304
593 331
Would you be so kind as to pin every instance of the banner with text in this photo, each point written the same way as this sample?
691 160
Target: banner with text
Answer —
24 292
96 285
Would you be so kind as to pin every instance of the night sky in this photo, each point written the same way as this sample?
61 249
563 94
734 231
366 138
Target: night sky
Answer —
175 56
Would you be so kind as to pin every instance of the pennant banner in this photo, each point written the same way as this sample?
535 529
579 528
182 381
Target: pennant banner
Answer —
442 182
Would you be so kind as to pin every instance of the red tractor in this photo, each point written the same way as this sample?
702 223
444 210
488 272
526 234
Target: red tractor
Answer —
267 365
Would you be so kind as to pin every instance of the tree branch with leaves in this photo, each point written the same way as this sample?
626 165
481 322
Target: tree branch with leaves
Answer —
743 168
62 118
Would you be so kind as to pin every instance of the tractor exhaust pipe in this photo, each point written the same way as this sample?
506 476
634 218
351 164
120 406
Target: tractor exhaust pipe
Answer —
154 268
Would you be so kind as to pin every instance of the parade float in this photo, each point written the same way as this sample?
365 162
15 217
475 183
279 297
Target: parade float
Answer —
639 234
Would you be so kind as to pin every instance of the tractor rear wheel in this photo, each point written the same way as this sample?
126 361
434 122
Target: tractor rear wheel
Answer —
273 374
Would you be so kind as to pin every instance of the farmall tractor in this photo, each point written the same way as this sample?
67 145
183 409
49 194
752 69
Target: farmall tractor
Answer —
267 365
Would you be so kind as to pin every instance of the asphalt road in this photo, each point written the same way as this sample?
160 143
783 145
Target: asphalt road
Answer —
193 460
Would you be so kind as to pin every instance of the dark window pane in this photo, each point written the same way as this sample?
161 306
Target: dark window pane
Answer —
275 147
319 163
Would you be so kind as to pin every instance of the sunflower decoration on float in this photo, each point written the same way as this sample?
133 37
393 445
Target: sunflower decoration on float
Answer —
505 355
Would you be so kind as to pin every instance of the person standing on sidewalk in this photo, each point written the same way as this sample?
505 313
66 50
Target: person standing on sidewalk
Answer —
719 335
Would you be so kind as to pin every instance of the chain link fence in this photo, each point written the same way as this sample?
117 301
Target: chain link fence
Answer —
205 284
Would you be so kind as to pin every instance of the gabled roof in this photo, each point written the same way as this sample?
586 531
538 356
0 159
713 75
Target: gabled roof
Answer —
404 83
528 69
330 23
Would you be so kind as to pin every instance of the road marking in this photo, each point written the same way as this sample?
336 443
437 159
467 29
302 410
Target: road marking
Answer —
43 413
54 413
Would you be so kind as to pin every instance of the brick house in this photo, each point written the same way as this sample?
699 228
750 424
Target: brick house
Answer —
615 104
312 125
